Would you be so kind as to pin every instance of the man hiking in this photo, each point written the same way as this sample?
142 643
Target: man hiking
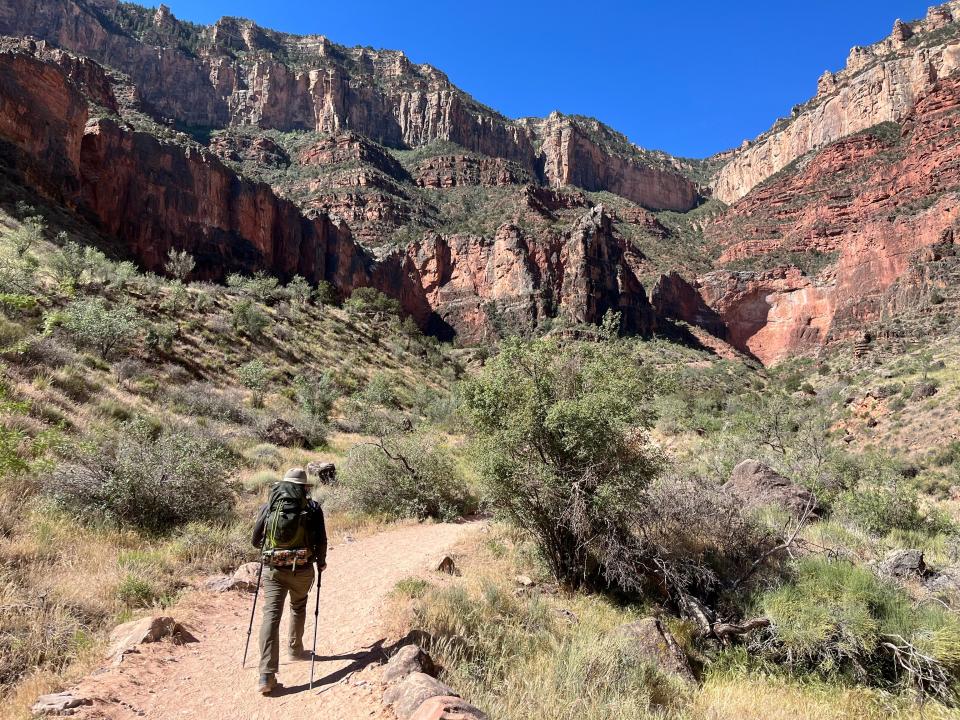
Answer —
291 533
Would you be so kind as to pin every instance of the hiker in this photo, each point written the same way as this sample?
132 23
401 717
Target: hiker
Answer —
291 531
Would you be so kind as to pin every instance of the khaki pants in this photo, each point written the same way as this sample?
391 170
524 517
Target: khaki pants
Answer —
277 582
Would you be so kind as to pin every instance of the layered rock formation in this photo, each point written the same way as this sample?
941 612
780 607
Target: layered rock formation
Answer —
572 157
237 74
866 206
880 83
152 196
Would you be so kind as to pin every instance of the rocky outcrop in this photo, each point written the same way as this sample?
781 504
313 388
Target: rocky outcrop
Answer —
880 83
572 157
858 215
447 171
481 286
756 485
259 151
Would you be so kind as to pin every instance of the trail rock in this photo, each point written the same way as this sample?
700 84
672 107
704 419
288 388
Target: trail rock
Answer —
62 703
408 659
280 432
655 643
946 582
126 637
322 470
247 573
228 583
904 564
407 696
448 708
757 485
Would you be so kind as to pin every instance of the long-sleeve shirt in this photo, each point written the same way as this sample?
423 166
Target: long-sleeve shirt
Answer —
316 531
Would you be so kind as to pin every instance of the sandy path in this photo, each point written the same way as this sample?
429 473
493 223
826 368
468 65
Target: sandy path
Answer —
204 679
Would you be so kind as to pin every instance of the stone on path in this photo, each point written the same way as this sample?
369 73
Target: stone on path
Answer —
758 485
126 637
408 659
904 564
407 696
61 703
447 707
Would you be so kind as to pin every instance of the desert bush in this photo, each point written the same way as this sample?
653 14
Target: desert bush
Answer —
147 480
835 618
36 635
213 547
204 400
179 264
107 330
369 302
405 475
299 290
514 658
261 287
255 376
265 454
562 453
316 393
248 318
160 337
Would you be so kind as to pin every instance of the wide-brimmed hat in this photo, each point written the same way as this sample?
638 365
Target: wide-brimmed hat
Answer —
297 476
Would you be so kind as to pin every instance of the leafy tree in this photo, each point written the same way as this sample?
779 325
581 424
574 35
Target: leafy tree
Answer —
325 293
370 302
249 318
67 262
299 290
28 234
254 376
316 394
107 330
179 264
562 450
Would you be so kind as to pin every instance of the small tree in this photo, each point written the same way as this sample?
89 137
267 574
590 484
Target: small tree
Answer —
370 302
67 262
254 376
179 264
299 290
561 450
28 234
325 293
316 395
248 318
107 330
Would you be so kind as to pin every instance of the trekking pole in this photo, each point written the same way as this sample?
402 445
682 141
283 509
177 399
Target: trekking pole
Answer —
316 619
256 593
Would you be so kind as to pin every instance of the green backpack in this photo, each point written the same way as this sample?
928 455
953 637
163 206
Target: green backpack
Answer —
287 518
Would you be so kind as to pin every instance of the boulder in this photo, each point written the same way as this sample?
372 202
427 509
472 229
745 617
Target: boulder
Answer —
904 564
126 637
406 696
280 432
61 703
324 471
757 485
946 582
447 707
228 583
247 573
408 659
657 645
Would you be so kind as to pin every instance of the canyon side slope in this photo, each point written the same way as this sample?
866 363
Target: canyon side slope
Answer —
261 151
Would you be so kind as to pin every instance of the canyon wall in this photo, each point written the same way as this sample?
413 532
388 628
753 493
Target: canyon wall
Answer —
859 213
152 196
234 73
880 83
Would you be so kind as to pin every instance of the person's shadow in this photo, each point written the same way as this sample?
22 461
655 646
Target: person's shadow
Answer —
363 658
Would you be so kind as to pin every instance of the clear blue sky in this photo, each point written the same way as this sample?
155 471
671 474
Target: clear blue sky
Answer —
691 77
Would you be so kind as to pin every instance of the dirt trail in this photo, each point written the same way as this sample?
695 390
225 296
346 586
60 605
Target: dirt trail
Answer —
204 680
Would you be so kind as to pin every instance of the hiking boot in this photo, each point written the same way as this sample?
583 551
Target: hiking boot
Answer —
300 654
267 683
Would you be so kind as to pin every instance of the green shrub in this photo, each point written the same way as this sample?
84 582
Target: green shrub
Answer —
204 400
255 376
147 478
249 319
835 618
316 394
561 450
880 509
405 476
136 592
369 302
107 330
179 264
